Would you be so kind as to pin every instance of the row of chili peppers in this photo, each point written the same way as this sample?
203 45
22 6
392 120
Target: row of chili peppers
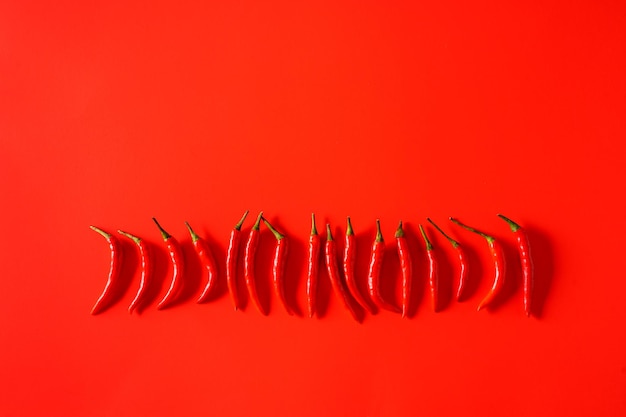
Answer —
346 289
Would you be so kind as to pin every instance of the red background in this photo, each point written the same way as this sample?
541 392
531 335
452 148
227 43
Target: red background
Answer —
111 113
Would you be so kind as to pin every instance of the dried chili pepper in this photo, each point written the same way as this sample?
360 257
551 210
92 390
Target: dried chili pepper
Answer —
208 262
146 271
231 260
178 264
278 266
349 257
406 266
313 269
373 277
527 261
433 272
333 274
249 262
105 299
462 261
499 263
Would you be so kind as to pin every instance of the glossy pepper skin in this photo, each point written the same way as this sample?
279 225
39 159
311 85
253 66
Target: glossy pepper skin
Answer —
433 272
208 262
499 263
406 265
523 247
463 263
373 276
249 261
178 265
349 257
232 254
145 255
313 269
333 274
106 298
278 266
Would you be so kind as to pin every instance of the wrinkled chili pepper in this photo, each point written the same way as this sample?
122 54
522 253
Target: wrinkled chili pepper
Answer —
333 274
527 261
105 299
146 271
232 255
249 261
208 262
349 257
313 269
462 261
433 272
373 277
497 255
278 266
406 266
178 264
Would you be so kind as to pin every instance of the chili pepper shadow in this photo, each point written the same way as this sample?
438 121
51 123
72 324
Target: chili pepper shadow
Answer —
218 253
542 252
160 266
296 257
263 261
512 277
324 287
127 271
419 263
445 264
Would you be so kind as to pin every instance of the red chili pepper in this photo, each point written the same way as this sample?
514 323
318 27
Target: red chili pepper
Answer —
105 299
249 262
178 263
313 270
462 261
231 260
146 271
333 274
207 260
499 264
349 257
433 272
373 278
527 261
278 267
407 269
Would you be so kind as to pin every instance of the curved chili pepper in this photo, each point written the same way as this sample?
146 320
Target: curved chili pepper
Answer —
313 270
333 274
178 264
527 261
278 267
105 299
406 266
231 260
249 262
146 270
433 272
373 277
208 261
499 264
349 257
462 261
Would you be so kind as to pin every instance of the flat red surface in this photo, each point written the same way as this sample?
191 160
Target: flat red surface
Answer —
111 114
